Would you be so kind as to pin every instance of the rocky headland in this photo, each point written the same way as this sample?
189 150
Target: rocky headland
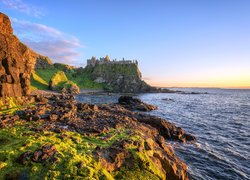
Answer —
51 136
58 137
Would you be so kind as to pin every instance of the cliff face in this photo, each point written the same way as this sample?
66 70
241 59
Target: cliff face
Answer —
124 78
16 62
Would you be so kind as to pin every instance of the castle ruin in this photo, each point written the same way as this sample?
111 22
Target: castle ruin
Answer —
105 60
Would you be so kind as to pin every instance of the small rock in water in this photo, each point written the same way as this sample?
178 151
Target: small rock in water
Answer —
132 103
168 99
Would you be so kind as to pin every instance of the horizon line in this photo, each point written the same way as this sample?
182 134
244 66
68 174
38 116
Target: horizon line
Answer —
247 87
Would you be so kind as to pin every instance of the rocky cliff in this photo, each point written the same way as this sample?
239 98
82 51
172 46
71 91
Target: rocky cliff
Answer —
119 77
16 62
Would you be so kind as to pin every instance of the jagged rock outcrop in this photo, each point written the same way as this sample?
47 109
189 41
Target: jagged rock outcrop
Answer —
43 62
16 62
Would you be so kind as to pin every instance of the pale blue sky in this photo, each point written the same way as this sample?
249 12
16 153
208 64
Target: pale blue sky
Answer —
177 43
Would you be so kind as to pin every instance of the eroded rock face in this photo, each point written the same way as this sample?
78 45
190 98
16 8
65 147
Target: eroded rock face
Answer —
16 62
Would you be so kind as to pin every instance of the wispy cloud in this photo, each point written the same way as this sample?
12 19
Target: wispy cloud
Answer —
48 41
23 7
147 78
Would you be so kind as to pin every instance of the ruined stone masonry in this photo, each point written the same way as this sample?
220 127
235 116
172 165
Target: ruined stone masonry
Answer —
93 61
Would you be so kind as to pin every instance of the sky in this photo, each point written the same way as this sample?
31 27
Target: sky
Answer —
178 43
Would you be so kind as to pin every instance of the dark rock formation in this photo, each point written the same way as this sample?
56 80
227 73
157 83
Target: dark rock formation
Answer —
16 62
43 154
165 128
132 103
71 89
43 62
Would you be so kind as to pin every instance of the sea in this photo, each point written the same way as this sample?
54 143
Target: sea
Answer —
218 118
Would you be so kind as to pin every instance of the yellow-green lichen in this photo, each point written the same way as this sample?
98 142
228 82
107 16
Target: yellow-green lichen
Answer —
9 105
73 149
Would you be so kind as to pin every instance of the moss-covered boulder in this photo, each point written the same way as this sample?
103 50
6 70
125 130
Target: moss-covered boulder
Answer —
57 81
60 82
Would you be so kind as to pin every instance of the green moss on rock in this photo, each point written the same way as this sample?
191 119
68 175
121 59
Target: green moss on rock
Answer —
58 80
75 154
9 105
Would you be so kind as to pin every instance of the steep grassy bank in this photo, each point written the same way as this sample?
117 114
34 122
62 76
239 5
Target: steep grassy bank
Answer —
42 76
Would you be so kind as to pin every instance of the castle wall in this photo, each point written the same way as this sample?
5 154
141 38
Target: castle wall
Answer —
91 62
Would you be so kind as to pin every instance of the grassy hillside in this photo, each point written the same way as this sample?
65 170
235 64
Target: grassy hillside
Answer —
41 77
114 77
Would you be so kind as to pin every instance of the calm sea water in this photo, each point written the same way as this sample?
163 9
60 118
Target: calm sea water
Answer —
221 122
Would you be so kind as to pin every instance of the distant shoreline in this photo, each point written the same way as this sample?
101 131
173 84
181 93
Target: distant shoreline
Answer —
247 88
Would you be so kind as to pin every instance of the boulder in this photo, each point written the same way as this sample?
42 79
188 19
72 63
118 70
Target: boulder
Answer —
45 153
71 88
57 81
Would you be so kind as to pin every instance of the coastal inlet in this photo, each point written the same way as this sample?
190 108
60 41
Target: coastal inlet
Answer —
220 119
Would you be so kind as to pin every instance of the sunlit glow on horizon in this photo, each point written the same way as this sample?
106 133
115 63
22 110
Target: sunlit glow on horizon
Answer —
177 44
227 80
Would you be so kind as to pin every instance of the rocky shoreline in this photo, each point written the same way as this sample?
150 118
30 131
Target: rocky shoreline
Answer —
120 143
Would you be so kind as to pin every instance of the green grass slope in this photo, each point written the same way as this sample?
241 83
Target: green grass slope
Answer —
41 78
